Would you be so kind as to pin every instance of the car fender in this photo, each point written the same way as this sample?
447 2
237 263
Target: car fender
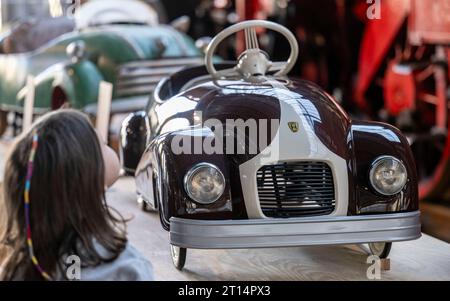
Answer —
367 142
84 78
375 46
80 83
159 162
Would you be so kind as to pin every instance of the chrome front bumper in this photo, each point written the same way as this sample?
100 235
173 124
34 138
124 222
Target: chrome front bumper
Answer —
264 233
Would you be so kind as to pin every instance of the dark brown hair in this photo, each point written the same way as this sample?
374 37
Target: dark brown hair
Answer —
68 213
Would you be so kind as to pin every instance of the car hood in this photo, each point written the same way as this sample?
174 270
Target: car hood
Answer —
294 106
153 42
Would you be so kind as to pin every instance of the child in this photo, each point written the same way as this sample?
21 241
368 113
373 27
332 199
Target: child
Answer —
54 206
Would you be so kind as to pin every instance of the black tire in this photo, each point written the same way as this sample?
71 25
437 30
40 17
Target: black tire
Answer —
3 122
178 255
145 207
380 249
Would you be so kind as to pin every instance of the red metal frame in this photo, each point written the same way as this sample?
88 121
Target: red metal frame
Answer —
378 38
428 24
442 173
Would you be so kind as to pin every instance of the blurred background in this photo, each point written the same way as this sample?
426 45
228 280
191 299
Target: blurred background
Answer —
384 60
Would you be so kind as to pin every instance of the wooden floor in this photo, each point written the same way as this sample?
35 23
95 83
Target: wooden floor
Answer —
423 259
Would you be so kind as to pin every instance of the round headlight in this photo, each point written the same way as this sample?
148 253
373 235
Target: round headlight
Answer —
204 183
388 175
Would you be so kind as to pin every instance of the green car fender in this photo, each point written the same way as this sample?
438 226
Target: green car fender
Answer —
75 83
82 84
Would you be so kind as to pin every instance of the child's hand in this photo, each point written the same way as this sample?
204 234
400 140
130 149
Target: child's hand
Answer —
112 164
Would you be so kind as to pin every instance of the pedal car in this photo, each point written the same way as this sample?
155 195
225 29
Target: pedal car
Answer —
115 41
242 156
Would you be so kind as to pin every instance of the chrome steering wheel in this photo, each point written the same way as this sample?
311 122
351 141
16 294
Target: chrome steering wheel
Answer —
253 61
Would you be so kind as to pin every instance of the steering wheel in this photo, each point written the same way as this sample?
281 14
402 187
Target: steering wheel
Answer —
253 61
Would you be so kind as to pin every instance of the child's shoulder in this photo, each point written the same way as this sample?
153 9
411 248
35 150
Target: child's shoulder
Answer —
130 265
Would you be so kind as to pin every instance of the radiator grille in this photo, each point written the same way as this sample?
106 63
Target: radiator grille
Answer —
141 77
296 189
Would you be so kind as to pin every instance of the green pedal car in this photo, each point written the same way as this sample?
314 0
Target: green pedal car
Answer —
68 61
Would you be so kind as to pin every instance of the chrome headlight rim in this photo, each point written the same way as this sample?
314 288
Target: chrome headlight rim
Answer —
192 171
375 163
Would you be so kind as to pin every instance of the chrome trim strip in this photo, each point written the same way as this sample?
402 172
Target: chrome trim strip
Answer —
142 77
128 92
323 230
147 71
121 105
164 62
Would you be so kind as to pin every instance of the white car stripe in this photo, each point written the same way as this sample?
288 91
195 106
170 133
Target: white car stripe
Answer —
303 145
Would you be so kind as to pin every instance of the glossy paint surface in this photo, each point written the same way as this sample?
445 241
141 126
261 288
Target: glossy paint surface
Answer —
134 139
368 142
107 47
355 144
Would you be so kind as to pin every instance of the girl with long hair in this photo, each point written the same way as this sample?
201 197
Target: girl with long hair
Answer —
54 206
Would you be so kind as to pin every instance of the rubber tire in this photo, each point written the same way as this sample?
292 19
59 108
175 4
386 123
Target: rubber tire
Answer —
3 122
180 260
143 205
384 253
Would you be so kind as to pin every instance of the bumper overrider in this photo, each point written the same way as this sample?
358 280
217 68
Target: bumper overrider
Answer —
323 230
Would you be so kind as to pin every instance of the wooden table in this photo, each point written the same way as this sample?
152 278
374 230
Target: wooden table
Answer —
424 259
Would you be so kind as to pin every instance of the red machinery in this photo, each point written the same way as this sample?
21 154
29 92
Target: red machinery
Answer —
404 57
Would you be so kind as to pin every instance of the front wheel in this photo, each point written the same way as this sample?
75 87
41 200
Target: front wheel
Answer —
178 256
145 207
380 249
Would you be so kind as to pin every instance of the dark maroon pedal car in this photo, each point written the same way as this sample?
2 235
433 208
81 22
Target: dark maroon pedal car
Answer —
242 156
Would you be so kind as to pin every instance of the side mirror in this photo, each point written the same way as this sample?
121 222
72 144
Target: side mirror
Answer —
202 43
76 51
181 24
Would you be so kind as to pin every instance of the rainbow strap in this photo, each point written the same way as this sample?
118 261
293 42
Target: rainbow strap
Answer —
27 207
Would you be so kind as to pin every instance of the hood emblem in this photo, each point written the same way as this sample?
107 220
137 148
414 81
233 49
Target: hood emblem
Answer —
293 126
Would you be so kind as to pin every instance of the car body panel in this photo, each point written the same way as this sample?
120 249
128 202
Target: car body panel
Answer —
325 133
107 48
